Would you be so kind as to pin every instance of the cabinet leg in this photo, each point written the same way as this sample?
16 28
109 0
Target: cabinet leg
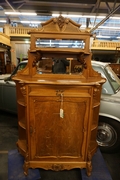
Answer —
25 168
89 168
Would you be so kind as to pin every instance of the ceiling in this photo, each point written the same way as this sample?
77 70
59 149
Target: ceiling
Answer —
105 27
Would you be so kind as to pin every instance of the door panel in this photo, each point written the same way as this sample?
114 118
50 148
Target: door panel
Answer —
58 137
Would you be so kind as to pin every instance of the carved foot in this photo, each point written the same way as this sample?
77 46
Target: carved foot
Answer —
89 168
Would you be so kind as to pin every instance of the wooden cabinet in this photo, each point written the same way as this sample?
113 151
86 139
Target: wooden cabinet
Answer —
58 113
2 63
5 63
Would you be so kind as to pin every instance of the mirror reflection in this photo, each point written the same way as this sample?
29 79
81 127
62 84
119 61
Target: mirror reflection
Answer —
57 65
60 43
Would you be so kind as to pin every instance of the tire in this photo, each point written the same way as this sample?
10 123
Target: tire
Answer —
108 135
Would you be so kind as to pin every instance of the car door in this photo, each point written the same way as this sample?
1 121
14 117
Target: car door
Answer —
8 96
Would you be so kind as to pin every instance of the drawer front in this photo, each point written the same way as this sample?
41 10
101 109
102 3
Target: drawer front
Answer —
48 90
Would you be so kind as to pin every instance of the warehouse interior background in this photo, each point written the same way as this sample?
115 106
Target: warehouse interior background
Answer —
101 16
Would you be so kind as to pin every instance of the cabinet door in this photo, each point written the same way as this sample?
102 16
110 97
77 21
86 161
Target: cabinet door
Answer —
54 137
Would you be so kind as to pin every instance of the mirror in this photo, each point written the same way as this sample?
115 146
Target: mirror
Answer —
57 65
60 43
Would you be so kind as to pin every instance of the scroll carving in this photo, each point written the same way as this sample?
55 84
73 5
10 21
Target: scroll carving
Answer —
57 167
96 90
59 92
81 59
61 21
23 89
79 64
61 24
78 68
36 59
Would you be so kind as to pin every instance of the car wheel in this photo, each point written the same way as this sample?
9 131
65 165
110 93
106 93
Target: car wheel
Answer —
108 135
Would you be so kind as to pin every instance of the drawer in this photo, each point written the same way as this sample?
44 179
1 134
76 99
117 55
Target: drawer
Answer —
53 90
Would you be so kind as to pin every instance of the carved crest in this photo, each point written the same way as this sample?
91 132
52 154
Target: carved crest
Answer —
60 24
61 21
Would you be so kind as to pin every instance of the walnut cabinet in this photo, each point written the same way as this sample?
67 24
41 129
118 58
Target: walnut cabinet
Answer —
58 113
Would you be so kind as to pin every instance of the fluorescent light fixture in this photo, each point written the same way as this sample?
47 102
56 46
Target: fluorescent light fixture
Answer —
73 15
21 13
3 21
100 36
118 37
98 17
66 15
31 22
108 27
114 18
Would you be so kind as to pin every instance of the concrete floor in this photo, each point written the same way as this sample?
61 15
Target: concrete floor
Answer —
9 136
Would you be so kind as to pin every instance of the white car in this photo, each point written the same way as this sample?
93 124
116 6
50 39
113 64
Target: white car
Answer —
109 114
8 90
